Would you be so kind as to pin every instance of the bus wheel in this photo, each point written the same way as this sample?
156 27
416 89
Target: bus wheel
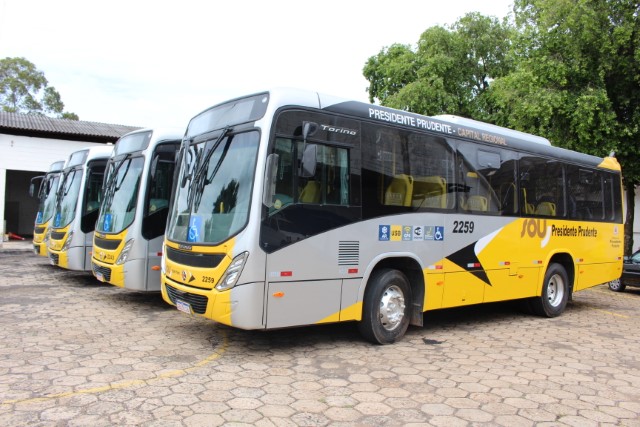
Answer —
555 292
616 285
385 313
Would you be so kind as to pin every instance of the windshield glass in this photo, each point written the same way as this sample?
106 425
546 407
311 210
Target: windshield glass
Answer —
118 208
47 198
68 198
214 188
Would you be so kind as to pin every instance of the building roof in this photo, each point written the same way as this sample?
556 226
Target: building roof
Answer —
48 127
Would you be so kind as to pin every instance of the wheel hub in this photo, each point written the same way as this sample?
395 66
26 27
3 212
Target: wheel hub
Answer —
555 290
392 308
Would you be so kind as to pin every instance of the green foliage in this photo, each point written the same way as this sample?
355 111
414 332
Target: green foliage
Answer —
24 89
449 71
576 80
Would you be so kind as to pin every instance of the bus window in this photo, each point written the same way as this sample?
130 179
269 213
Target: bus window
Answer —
542 187
487 180
330 183
585 196
612 197
431 167
403 171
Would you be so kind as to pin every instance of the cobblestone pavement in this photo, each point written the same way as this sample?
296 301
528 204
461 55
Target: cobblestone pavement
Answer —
76 352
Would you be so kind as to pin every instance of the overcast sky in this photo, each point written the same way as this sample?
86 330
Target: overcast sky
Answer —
157 63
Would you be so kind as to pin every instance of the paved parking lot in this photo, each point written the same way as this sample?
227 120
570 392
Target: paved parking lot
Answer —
77 352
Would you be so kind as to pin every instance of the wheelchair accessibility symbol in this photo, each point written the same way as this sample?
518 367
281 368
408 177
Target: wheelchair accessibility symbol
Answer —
439 234
195 229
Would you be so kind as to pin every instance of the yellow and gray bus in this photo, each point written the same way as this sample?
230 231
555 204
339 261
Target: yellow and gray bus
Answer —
127 243
76 208
47 191
295 208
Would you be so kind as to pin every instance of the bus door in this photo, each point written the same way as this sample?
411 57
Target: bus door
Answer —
91 205
158 195
310 198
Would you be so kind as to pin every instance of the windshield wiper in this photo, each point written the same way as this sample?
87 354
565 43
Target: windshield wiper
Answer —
209 178
197 181
111 186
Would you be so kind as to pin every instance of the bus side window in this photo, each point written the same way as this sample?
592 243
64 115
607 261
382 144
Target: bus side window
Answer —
285 177
585 195
330 183
486 178
543 187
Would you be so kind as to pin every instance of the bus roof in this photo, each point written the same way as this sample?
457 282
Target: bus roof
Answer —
445 125
56 166
80 157
139 139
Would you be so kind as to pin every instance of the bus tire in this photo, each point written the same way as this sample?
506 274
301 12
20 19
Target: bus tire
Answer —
385 311
555 292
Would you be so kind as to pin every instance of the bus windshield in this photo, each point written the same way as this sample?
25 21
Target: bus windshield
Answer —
48 198
118 208
68 198
213 190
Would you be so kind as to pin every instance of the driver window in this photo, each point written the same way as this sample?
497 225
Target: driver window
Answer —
328 185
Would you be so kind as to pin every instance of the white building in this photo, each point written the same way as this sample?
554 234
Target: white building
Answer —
28 145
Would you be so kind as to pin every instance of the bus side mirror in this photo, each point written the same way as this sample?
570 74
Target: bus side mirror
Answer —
36 180
309 152
270 175
154 166
308 129
309 161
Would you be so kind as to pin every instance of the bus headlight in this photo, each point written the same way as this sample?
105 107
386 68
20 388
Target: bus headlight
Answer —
125 253
67 242
231 276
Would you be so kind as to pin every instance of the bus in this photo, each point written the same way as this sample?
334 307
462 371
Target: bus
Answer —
296 208
76 210
47 190
127 243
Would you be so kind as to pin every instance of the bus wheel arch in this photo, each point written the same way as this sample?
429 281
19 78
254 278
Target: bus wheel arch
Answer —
393 299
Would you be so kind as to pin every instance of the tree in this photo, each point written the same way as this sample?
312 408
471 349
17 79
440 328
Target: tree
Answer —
448 72
577 81
568 70
24 89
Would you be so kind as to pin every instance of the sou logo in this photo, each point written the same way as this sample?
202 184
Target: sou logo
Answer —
536 228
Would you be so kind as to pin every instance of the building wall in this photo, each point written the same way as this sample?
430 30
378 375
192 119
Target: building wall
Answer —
22 157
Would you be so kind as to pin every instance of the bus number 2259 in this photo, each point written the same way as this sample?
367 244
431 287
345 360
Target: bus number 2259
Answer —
463 226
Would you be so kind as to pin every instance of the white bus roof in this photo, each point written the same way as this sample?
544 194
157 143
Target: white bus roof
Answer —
488 127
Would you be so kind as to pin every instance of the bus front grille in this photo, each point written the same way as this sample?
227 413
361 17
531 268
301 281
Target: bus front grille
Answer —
58 235
104 271
106 243
194 259
39 230
198 303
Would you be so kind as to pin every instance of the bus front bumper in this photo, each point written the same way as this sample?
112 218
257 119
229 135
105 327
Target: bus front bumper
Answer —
108 273
240 307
